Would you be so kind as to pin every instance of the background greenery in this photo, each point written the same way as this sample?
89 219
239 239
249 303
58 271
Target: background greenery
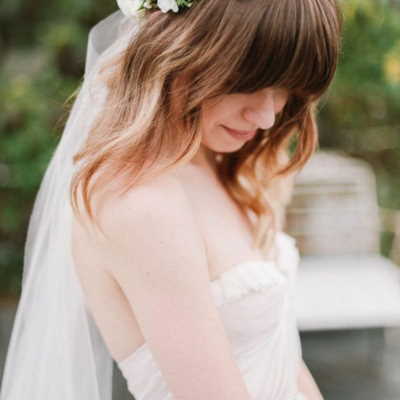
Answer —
42 54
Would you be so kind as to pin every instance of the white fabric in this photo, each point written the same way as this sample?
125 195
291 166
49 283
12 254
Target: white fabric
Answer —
255 300
55 350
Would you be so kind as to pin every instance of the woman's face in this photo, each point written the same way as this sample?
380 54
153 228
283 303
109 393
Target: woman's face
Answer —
244 112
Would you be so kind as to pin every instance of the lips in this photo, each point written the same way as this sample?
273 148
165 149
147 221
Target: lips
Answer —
239 133
242 132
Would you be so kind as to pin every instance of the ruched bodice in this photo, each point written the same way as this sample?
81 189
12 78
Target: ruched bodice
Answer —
255 303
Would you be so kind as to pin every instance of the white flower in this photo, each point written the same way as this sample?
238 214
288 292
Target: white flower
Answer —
129 7
166 5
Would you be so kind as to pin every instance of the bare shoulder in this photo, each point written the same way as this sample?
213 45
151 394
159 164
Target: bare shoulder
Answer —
155 216
156 255
162 198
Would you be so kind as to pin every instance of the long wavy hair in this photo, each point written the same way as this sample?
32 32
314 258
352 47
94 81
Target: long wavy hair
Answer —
220 47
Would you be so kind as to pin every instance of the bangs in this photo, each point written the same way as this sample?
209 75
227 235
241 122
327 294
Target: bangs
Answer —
295 46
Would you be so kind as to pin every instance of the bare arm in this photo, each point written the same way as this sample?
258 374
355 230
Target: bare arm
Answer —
159 261
307 384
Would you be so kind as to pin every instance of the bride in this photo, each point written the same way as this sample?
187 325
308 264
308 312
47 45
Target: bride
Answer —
156 237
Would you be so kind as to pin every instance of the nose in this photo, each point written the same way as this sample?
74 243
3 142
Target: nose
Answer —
262 112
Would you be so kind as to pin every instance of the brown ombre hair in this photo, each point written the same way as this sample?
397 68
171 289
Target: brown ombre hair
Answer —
220 47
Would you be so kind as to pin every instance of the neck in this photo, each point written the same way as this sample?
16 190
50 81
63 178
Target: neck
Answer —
205 158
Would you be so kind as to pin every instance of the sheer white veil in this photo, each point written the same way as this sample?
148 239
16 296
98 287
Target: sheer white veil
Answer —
55 350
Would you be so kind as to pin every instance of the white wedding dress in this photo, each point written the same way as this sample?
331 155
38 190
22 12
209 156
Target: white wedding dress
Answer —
255 301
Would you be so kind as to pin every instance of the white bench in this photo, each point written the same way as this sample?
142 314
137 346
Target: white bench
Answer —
349 291
343 281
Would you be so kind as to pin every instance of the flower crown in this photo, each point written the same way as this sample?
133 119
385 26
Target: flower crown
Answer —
131 7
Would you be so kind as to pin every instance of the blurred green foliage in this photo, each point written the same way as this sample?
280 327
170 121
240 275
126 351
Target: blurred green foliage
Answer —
42 54
361 113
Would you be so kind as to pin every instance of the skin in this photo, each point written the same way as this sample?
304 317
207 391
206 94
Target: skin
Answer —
245 112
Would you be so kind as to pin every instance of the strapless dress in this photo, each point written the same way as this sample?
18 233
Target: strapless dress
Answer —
255 300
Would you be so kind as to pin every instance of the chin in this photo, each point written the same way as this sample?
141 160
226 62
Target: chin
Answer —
221 142
225 148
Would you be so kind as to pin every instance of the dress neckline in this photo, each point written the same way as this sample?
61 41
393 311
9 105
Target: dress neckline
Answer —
264 269
264 261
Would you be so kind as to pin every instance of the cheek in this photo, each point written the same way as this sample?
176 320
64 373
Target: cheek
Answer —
215 111
208 120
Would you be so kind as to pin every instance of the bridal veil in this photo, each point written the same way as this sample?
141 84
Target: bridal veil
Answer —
55 350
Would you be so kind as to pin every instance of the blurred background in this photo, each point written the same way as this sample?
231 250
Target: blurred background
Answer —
42 55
